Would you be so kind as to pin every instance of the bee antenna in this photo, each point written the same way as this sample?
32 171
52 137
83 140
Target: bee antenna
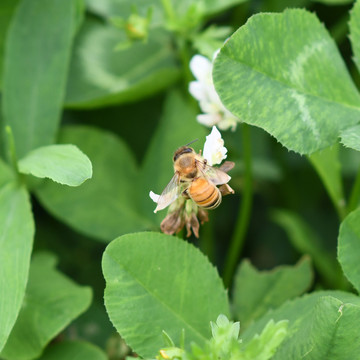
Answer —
191 142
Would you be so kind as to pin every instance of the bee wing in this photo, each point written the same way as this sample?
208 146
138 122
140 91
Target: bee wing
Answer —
170 193
216 175
227 166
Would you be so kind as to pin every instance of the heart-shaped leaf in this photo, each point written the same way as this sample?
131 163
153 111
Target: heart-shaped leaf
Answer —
157 282
283 73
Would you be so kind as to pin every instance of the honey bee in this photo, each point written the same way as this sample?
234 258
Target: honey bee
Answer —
195 179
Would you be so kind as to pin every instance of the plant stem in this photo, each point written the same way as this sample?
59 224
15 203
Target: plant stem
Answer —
243 219
169 11
11 151
355 194
181 39
183 46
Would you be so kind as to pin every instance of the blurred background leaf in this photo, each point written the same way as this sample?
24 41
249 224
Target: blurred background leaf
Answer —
16 239
75 350
51 302
7 10
34 85
101 75
110 197
326 163
354 27
256 292
303 238
334 2
163 11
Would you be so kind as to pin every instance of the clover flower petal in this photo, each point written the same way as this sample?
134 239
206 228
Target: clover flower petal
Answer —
154 197
203 90
201 67
214 149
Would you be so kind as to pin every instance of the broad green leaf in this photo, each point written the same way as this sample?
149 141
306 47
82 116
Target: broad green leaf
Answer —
306 241
303 315
51 302
105 206
283 73
326 163
333 332
349 248
74 350
157 282
177 127
64 164
351 137
354 26
36 61
16 239
100 75
256 291
7 9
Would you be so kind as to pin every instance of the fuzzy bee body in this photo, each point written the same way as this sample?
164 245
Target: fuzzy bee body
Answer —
195 179
204 193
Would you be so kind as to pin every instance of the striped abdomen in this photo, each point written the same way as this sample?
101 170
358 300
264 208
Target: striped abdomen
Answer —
204 193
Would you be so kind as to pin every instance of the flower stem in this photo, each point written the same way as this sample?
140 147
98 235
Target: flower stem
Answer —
355 194
169 11
243 219
11 152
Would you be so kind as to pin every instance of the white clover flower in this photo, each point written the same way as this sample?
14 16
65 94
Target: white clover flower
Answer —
214 149
204 91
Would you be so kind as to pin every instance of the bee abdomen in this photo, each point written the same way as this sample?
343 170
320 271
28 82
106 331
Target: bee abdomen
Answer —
204 193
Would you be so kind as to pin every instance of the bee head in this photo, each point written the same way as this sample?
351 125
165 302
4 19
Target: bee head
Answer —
182 150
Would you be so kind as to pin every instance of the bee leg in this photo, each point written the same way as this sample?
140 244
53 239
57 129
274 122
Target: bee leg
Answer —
185 194
225 189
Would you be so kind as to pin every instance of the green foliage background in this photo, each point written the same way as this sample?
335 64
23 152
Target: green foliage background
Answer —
94 101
